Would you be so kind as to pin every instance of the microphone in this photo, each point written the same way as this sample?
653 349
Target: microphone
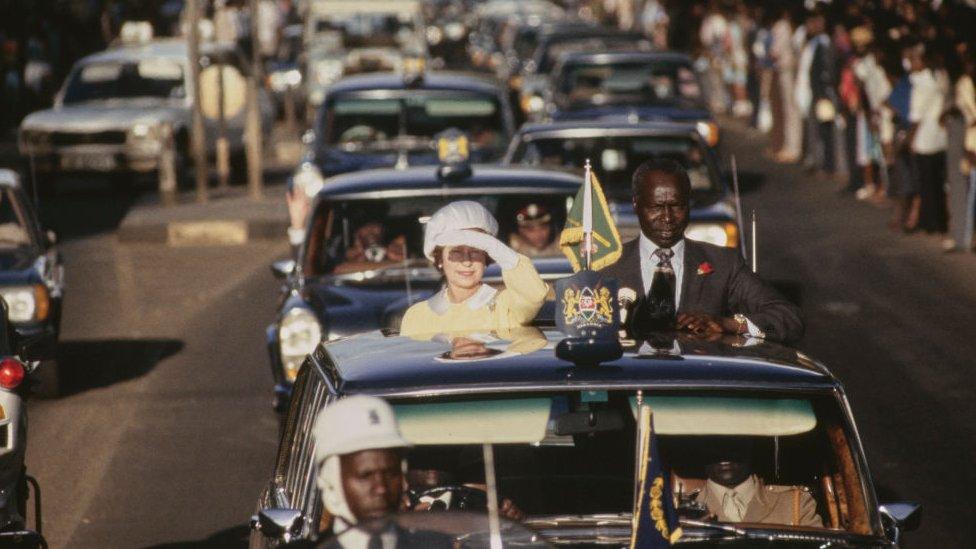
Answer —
625 298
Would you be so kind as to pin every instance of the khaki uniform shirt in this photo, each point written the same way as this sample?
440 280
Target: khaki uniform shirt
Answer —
770 504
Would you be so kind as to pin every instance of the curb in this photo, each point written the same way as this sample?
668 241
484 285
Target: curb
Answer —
220 232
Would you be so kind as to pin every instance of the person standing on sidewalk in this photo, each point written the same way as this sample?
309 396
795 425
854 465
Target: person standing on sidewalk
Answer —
961 165
928 141
784 57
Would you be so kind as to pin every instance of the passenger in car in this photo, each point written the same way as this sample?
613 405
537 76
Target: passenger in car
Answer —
533 232
369 248
735 493
460 240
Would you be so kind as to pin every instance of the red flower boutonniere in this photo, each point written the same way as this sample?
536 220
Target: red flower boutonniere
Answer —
705 268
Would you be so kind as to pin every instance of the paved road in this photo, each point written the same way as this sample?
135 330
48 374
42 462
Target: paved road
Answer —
166 435
893 317
167 432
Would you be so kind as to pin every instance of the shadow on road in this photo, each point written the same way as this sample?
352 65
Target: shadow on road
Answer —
749 182
86 209
86 365
235 536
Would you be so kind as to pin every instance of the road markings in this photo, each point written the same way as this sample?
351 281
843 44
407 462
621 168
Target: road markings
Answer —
207 233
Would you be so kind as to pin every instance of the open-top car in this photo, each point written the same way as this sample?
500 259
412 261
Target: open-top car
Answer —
362 263
615 148
563 431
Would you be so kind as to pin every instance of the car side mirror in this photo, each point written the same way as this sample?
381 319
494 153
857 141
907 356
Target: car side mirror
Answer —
284 268
905 516
282 524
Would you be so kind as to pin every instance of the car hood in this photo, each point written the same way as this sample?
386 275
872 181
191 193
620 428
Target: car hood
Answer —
110 114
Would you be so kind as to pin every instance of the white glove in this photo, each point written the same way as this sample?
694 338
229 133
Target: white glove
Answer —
506 257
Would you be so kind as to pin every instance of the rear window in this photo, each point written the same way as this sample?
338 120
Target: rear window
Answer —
663 83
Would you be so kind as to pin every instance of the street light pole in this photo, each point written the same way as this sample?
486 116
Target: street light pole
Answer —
198 133
252 131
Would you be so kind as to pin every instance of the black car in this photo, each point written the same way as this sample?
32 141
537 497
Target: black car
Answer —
385 120
31 279
563 433
361 264
616 148
636 85
553 43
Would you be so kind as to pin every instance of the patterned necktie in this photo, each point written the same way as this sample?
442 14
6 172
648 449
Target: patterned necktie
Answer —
661 295
733 507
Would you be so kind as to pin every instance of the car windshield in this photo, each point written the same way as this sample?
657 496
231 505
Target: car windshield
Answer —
553 49
110 80
393 121
644 83
14 225
369 30
614 157
358 236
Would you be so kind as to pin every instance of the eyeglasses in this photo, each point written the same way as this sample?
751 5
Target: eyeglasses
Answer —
460 255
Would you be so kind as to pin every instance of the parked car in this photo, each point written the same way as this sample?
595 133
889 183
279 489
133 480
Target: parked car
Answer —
563 432
31 280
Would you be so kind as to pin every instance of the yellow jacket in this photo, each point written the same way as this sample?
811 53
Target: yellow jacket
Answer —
487 310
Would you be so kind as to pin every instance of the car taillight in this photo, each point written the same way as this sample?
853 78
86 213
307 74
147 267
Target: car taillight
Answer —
11 373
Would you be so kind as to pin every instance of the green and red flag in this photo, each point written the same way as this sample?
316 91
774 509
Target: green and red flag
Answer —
590 239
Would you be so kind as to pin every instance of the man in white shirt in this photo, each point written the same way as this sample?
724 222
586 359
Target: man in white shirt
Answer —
928 141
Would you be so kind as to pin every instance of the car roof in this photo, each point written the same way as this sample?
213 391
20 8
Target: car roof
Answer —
440 80
623 56
425 178
167 47
387 364
622 125
560 30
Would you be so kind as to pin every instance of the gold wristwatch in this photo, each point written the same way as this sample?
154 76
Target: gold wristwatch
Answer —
743 323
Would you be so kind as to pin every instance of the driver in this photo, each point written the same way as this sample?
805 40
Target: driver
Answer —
533 236
368 248
734 493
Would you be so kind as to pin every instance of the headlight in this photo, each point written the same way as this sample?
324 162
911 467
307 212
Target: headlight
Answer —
328 71
719 234
434 35
298 335
708 130
283 80
532 103
454 31
309 179
26 303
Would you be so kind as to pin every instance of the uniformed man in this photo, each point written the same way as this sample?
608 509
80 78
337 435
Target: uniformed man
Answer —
534 236
734 493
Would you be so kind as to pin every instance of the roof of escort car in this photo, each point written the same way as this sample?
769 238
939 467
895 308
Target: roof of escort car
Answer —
438 80
391 365
622 125
425 178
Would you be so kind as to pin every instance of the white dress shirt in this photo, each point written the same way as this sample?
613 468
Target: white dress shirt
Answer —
648 262
926 107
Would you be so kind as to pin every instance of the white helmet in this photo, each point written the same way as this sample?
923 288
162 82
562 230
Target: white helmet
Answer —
350 425
463 214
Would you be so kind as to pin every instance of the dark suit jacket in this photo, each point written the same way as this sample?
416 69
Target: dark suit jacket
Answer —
729 289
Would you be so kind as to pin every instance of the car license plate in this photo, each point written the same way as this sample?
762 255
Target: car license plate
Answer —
93 162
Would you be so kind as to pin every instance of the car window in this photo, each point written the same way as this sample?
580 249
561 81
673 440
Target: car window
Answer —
577 458
369 30
550 52
615 157
15 230
357 123
110 80
663 83
357 236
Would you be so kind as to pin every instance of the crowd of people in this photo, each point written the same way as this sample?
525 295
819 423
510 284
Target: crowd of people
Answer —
877 95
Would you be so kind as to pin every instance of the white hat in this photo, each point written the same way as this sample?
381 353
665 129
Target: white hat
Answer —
463 214
350 425
353 424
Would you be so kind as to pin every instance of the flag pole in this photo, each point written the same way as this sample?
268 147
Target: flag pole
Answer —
587 213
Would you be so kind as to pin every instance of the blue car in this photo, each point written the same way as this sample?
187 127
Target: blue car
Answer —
385 120
634 86
361 263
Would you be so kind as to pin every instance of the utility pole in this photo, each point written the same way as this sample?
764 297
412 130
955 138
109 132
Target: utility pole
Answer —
252 130
198 132
223 147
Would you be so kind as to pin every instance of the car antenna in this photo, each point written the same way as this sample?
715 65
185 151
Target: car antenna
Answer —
738 205
754 238
494 526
